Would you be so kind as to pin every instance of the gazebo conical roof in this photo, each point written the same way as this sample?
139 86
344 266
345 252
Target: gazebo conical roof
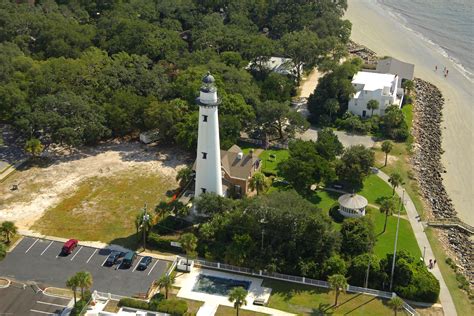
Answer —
352 201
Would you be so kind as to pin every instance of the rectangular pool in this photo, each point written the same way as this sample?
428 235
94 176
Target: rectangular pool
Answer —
217 286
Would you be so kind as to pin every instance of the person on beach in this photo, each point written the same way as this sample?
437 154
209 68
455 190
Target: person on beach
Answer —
436 68
431 264
434 262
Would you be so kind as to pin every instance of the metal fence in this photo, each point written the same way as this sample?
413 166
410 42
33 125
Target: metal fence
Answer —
297 279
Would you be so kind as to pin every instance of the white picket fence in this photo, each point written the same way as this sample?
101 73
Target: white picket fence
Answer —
297 279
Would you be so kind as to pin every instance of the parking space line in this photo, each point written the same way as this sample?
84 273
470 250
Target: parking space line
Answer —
31 245
104 261
91 256
52 304
37 311
46 248
136 266
76 253
153 266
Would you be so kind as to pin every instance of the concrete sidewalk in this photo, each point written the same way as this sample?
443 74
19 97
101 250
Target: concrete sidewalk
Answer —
419 231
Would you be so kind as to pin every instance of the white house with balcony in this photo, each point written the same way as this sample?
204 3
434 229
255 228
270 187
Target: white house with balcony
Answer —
374 86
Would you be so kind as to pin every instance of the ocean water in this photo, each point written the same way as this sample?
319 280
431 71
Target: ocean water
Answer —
448 24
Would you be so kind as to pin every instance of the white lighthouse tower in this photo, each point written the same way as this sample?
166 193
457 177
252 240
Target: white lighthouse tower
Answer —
208 159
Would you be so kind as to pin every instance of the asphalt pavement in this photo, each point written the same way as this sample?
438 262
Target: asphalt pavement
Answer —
40 260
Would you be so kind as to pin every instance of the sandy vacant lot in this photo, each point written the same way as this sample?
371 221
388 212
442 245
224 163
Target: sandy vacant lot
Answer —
44 187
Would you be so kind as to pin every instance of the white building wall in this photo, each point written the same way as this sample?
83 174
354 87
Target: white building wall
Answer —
357 105
208 169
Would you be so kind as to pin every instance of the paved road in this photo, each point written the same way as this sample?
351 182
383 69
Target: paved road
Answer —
419 230
345 138
16 300
35 259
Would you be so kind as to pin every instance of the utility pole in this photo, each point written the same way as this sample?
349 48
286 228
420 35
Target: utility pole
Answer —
367 274
263 222
145 221
396 240
424 250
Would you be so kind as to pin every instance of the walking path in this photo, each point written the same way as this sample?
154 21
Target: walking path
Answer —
419 231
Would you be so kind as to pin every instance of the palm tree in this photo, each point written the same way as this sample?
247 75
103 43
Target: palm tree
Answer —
166 281
338 283
387 207
396 304
386 148
372 105
408 85
73 284
258 182
34 147
84 280
188 243
332 106
184 176
8 229
395 180
237 296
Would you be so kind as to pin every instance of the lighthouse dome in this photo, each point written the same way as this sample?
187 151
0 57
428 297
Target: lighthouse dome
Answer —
208 78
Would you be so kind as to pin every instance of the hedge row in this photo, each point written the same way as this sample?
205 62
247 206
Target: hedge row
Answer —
171 306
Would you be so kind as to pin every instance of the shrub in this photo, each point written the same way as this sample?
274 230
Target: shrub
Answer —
133 303
173 307
77 309
3 250
157 242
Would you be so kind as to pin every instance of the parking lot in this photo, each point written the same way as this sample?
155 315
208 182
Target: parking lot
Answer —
17 300
40 260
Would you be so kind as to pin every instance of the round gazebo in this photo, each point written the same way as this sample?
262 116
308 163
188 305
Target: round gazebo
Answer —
352 205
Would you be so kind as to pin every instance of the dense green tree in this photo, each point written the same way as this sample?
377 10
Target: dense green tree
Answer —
3 250
210 203
408 86
240 250
165 116
184 175
358 236
277 120
186 131
331 106
355 164
334 265
334 85
305 166
328 144
357 271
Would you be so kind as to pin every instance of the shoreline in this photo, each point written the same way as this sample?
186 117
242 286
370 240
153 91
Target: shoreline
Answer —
391 38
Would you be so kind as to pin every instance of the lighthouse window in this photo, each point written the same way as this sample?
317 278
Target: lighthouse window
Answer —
204 118
203 190
204 155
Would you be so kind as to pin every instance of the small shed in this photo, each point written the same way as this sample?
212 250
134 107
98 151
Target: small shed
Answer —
352 205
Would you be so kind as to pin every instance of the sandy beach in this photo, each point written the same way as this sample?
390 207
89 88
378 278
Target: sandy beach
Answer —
381 32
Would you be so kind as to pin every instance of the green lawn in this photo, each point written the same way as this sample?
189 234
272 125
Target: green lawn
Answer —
374 188
408 112
308 300
270 164
104 209
385 241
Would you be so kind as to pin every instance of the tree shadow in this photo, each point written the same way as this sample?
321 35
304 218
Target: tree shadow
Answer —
357 307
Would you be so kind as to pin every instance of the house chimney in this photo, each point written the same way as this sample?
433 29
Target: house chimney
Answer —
240 155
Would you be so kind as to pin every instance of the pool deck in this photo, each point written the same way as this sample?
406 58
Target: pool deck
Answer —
186 282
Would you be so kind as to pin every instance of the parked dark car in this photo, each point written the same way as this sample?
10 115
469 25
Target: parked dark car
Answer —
144 263
113 257
69 246
129 259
